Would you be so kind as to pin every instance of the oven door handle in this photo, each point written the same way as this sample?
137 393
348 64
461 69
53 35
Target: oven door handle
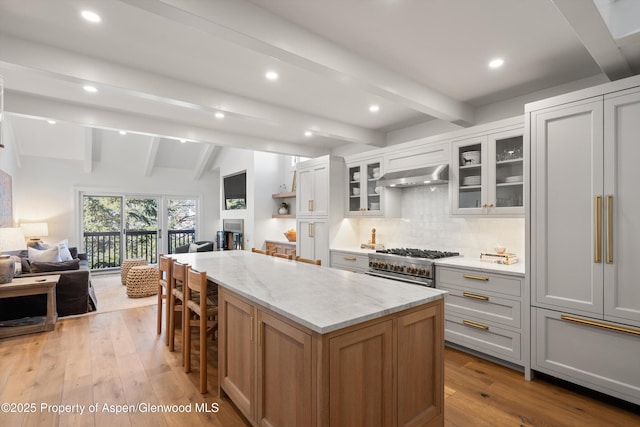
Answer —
428 284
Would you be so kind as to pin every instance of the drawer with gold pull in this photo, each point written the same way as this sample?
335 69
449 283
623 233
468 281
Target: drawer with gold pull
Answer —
487 308
479 281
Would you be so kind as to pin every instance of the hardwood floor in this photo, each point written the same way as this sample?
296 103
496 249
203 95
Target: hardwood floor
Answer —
117 359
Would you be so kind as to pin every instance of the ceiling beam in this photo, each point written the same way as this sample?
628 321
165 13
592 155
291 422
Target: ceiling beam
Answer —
64 66
38 106
252 27
207 153
586 21
89 135
152 154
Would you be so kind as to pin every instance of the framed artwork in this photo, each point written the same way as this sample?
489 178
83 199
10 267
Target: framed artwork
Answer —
6 200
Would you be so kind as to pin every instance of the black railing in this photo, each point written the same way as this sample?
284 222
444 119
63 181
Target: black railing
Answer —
180 238
104 248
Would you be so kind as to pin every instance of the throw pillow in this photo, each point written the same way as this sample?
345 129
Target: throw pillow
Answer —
45 267
63 250
47 255
194 247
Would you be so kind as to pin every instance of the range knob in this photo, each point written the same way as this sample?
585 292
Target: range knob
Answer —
427 273
422 272
411 270
372 263
400 268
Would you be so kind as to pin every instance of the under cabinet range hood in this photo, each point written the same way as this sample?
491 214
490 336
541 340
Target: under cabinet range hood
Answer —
410 178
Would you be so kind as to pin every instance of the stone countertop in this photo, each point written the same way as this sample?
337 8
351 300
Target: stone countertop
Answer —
281 242
488 267
321 298
354 250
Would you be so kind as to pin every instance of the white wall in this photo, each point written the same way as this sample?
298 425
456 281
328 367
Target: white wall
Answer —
45 190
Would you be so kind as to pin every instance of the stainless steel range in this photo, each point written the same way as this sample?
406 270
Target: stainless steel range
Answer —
407 265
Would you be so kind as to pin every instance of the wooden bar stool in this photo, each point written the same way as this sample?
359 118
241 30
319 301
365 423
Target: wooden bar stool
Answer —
176 303
260 251
309 261
285 256
202 311
165 265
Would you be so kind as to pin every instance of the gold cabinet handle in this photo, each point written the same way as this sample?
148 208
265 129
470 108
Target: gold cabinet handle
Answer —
476 277
484 205
251 329
310 205
260 334
623 329
609 250
475 296
476 325
598 230
350 258
490 205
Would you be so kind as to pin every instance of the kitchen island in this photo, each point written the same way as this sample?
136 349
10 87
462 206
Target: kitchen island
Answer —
300 344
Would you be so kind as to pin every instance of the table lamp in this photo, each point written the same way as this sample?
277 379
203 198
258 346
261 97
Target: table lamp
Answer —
34 231
11 239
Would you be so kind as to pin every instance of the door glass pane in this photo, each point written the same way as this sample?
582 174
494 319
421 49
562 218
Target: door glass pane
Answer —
181 223
141 229
373 191
354 188
509 172
102 224
470 185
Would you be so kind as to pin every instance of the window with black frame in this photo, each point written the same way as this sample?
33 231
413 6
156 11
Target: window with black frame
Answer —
235 191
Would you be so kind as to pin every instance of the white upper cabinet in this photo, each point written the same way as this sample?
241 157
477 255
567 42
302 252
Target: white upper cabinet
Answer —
364 196
312 189
488 174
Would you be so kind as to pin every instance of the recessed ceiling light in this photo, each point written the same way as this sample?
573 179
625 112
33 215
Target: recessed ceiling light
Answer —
123 132
374 108
91 16
51 122
308 133
271 75
496 63
219 115
183 140
90 89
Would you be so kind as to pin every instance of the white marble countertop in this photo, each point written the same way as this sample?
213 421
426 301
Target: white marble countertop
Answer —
281 242
476 264
321 298
354 250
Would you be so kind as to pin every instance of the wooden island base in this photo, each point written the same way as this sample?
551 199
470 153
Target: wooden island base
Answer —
387 371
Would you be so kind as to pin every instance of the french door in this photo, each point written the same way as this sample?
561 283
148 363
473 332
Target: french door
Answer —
116 227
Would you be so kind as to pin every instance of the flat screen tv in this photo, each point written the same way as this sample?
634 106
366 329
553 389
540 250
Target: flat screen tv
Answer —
235 191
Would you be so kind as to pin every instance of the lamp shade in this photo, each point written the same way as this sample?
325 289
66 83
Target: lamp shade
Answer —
36 229
12 239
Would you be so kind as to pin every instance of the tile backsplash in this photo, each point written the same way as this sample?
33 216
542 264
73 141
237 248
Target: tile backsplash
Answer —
427 223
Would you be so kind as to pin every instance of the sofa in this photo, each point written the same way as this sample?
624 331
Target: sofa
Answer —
74 292
202 246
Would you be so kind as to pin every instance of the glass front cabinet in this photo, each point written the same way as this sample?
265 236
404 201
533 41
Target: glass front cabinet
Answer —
488 174
364 196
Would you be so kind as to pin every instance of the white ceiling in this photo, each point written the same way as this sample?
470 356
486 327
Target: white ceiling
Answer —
163 68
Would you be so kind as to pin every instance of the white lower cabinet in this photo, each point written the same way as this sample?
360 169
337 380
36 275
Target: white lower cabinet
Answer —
313 239
587 352
350 261
484 312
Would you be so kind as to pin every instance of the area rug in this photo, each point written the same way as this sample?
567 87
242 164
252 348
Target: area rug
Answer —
112 295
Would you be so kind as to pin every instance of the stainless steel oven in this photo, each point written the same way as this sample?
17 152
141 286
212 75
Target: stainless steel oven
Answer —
414 266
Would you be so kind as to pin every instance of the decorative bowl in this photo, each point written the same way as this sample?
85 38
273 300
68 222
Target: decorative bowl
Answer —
500 250
291 236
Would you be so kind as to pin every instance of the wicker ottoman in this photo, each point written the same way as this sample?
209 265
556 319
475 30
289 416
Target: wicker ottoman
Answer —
126 266
142 281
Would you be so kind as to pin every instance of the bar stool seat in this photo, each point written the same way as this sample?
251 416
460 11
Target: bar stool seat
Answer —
126 266
142 281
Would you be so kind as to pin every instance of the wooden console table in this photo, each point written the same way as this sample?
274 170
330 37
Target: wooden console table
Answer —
31 286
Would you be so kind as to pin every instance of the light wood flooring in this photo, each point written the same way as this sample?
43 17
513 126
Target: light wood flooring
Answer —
117 359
